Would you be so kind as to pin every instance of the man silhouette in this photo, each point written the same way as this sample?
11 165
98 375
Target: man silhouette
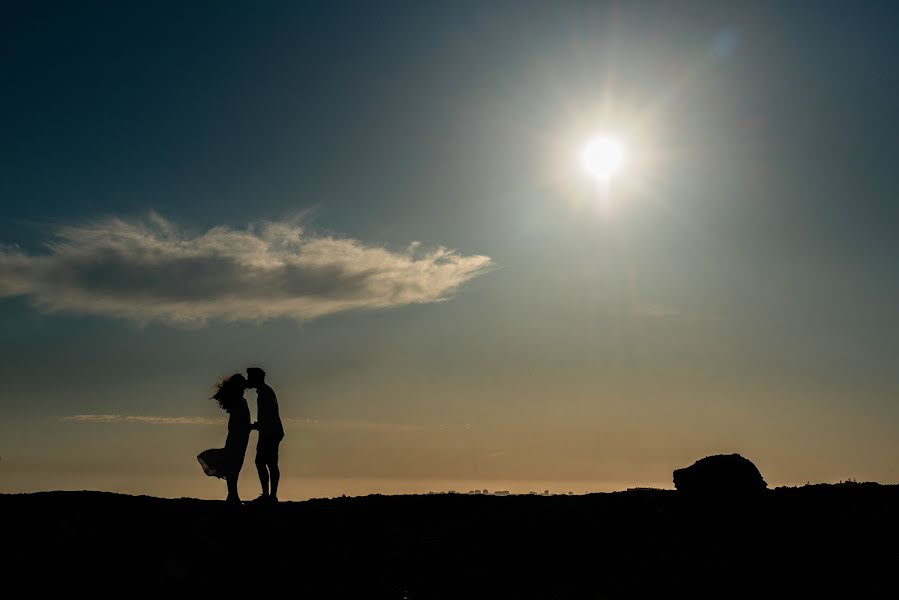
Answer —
271 432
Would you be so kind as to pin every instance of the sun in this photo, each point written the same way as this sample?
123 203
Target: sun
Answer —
603 157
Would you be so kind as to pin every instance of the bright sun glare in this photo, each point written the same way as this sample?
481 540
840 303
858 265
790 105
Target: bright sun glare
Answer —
602 157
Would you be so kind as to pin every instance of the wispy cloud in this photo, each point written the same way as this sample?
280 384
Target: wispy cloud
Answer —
342 425
665 311
656 311
293 421
141 420
151 270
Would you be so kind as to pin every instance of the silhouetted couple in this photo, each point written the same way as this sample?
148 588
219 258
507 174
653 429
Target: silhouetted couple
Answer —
227 462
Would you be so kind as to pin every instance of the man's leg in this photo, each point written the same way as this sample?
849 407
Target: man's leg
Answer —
274 470
232 488
263 475
276 477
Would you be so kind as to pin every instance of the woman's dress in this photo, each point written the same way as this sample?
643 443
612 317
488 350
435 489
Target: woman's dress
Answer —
227 461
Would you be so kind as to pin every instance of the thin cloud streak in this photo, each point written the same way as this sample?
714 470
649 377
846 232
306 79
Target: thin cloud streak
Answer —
664 311
152 271
143 420
337 425
656 311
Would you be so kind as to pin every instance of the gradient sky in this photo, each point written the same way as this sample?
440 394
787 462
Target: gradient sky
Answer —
380 204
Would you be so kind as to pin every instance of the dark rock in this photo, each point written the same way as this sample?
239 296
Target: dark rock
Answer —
723 474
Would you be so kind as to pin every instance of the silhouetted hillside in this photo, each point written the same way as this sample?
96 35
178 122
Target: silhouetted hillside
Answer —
797 540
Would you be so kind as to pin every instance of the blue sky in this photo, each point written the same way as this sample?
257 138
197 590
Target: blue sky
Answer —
734 292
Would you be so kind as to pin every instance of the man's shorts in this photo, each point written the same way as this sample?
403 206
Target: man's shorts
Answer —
267 450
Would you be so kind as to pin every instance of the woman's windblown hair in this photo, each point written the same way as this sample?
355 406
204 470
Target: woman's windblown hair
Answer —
229 389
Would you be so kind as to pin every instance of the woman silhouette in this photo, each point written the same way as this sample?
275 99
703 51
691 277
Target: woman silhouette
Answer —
226 462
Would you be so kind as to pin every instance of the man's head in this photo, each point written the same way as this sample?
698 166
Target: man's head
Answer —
255 377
